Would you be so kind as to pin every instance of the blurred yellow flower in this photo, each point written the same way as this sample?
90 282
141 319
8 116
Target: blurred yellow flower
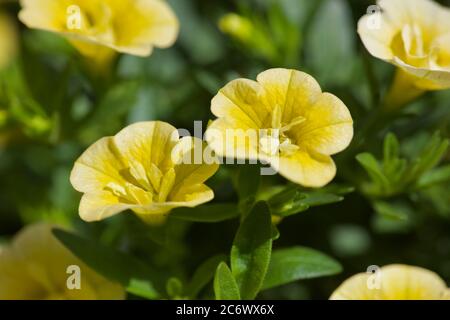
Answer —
8 40
414 35
283 119
236 26
393 282
126 26
36 266
140 169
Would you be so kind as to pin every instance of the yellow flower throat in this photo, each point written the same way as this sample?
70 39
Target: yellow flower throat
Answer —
144 186
275 140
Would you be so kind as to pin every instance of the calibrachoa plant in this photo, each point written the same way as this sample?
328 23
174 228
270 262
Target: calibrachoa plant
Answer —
176 149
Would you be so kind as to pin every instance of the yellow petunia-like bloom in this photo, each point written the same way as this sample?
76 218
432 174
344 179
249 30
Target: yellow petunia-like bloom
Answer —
283 119
414 35
36 266
92 26
8 41
142 168
393 282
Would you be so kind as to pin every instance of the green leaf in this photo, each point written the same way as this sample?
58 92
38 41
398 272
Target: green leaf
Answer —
174 288
225 286
247 185
314 199
133 274
296 263
333 26
287 202
391 148
142 288
203 43
436 176
248 180
203 275
429 157
391 211
292 200
207 213
297 11
349 240
373 168
108 115
275 233
250 253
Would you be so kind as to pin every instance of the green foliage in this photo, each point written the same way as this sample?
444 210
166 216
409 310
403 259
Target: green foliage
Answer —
331 27
270 37
390 204
207 213
225 286
247 185
293 199
298 263
250 253
174 288
204 274
395 175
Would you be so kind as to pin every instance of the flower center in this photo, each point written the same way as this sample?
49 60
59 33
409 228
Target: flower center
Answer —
144 186
276 140
413 41
413 47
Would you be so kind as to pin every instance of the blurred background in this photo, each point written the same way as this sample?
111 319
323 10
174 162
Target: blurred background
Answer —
53 106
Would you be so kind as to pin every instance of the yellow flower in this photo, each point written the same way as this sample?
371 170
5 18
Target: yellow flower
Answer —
127 26
236 26
140 169
393 282
35 266
414 35
283 119
8 40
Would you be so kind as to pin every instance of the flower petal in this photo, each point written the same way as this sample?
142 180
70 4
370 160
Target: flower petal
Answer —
397 282
128 26
227 139
378 39
97 166
162 23
239 102
306 168
355 288
194 170
328 128
425 78
100 205
426 13
35 264
400 282
15 283
147 143
292 90
189 196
